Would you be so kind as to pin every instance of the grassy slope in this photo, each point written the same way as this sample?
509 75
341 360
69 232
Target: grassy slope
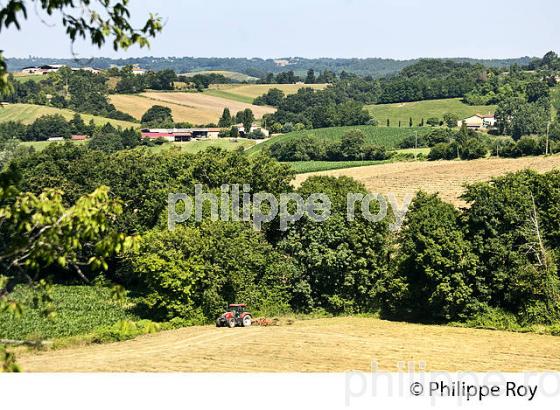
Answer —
195 146
424 109
248 92
79 310
27 113
30 77
302 167
321 345
388 137
190 147
234 75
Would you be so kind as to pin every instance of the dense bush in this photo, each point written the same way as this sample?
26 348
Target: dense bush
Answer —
435 265
343 262
194 272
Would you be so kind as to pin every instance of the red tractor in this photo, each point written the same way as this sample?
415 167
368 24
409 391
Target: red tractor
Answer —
237 315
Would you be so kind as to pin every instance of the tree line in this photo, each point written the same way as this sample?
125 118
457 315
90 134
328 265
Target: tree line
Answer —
443 265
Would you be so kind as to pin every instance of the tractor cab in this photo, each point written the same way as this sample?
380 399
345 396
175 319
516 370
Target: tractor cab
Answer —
238 309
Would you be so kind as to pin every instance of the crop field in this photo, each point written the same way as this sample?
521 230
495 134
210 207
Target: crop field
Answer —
79 310
444 177
27 113
424 109
228 74
29 77
318 345
248 92
196 108
200 145
390 138
301 167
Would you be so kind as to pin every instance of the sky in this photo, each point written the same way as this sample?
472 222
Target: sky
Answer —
399 29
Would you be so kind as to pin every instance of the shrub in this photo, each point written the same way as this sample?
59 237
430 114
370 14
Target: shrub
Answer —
473 148
443 151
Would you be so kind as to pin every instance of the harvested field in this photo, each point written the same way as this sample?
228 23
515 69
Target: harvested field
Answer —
253 91
319 345
444 177
197 108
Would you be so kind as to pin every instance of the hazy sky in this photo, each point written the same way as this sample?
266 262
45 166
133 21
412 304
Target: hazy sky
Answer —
321 28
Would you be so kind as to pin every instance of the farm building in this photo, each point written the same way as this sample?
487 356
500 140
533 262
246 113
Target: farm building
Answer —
478 121
79 137
254 128
53 68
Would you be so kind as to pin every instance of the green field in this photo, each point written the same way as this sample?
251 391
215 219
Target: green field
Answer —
302 167
79 310
191 147
424 109
248 92
30 77
27 113
390 138
228 74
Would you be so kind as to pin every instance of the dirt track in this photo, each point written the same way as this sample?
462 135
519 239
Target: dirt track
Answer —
445 177
321 345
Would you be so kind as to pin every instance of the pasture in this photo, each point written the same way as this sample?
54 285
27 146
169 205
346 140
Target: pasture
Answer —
233 75
191 147
444 177
196 108
390 138
424 109
248 92
27 113
318 345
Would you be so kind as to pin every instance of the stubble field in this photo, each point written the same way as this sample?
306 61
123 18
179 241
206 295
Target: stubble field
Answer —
196 108
444 177
319 345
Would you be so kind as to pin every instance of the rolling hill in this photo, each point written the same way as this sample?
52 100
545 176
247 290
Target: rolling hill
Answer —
196 108
248 92
27 113
390 137
233 75
424 109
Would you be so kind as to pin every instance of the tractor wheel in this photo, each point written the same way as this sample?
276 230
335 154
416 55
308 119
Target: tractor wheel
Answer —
247 321
231 323
218 323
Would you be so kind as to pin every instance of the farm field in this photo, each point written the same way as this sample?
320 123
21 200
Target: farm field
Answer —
424 109
234 75
318 345
28 77
444 177
390 138
196 108
27 113
301 167
191 147
248 92
79 310
196 146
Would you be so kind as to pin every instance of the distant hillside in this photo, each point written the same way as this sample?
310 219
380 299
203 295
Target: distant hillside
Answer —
27 113
256 67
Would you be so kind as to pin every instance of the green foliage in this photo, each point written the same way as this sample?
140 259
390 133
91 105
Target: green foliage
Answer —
79 310
343 262
42 232
194 272
273 97
158 116
435 265
511 224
